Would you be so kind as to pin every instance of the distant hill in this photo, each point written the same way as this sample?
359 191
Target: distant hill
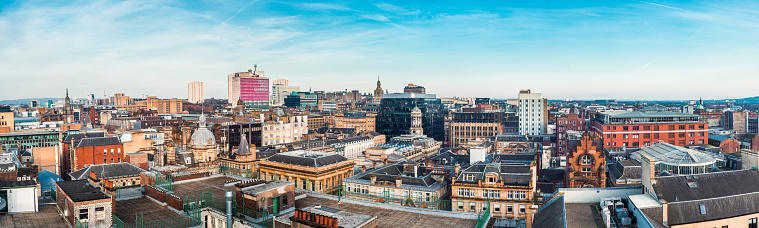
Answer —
748 100
26 101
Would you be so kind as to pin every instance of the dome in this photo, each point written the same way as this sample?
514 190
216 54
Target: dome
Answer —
202 136
699 107
416 109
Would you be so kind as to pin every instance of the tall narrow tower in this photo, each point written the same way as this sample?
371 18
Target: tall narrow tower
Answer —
378 91
416 122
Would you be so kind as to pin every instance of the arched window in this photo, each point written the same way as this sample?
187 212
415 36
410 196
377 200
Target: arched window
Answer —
587 160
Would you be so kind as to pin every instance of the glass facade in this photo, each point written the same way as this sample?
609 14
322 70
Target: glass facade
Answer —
394 117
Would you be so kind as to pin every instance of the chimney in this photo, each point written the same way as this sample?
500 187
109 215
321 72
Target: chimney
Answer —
373 179
398 182
648 177
250 71
229 209
664 206
456 171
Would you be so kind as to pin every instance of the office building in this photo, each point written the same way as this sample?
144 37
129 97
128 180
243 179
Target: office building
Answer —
310 170
251 87
635 129
569 123
303 100
161 106
6 120
394 117
280 89
361 121
533 113
473 123
411 88
195 92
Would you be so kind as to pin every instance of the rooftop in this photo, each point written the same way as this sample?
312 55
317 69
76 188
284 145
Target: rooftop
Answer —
387 217
100 141
81 190
307 158
107 171
264 187
674 155
344 218
706 186
551 215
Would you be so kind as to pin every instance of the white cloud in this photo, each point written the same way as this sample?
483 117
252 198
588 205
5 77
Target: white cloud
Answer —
376 17
396 9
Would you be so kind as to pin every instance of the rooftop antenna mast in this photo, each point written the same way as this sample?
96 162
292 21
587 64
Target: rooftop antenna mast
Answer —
255 67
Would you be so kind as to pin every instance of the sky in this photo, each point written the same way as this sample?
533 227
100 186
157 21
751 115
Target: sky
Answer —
627 50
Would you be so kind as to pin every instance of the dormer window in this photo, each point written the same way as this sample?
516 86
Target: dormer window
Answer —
491 180
587 160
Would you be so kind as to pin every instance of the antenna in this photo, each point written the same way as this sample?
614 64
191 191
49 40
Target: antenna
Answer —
255 66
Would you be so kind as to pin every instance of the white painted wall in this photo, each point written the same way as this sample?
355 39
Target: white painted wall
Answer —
594 195
22 200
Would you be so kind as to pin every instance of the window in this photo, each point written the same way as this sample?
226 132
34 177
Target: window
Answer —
752 223
105 161
646 128
284 200
472 207
509 209
84 214
522 209
635 136
646 136
681 135
100 213
636 128
105 151
624 136
681 127
461 206
111 151
112 161
700 134
497 207
119 150
691 127
587 160
656 128
656 135
585 169
624 128
491 179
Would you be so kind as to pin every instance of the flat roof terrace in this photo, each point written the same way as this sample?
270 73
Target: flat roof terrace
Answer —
388 217
143 208
193 188
46 217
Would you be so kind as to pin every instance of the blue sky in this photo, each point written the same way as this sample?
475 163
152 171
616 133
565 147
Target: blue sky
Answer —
564 49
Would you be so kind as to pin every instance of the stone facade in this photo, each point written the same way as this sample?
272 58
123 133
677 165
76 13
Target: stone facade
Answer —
586 165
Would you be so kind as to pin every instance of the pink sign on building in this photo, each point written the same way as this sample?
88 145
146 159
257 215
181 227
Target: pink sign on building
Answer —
254 89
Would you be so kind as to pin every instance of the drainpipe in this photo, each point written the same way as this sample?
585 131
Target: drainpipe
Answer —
229 209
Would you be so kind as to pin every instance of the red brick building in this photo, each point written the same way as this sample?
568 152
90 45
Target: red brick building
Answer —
96 151
637 129
586 165
139 159
69 143
571 122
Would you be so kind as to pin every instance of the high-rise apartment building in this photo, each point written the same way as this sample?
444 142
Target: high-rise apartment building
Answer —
280 89
121 99
533 113
195 92
251 87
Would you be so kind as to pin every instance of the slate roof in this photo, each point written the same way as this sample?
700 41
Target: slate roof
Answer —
510 174
655 215
391 172
710 185
625 169
551 215
348 140
108 170
80 136
81 190
15 184
552 174
715 208
307 158
449 158
100 141
718 137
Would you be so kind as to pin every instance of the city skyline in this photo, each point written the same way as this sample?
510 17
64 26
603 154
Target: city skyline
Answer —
634 50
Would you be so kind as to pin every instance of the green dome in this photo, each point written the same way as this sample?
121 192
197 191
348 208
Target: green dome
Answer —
699 107
153 108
